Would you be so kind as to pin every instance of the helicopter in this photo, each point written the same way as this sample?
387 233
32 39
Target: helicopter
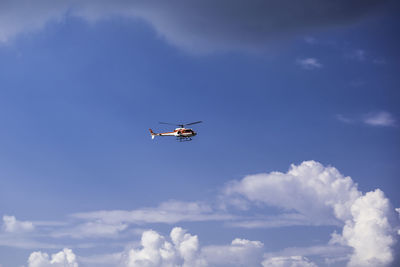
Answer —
181 133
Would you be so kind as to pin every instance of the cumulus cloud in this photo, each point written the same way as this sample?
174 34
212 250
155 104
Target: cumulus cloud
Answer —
323 193
64 258
167 212
381 118
194 25
309 63
12 225
157 251
184 250
370 232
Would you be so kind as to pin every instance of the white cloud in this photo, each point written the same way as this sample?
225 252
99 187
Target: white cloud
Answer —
241 252
64 258
12 225
184 250
322 193
309 63
25 243
330 253
292 261
21 234
157 251
381 118
187 245
92 229
191 24
113 259
370 232
167 212
281 220
398 211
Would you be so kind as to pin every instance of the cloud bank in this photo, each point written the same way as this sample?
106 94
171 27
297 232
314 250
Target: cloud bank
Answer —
307 194
323 193
195 26
180 249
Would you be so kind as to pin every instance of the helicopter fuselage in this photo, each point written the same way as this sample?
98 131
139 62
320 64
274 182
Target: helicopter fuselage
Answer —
178 132
181 133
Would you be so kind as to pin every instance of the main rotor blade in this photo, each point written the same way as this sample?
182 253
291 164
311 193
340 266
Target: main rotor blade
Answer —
181 125
193 123
170 123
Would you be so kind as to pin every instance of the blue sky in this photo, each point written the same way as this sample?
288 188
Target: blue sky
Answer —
297 160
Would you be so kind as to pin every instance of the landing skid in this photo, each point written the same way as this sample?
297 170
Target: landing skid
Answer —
183 139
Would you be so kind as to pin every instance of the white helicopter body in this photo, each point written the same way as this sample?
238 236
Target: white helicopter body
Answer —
181 133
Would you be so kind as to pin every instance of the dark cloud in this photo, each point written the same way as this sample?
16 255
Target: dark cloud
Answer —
197 25
248 24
